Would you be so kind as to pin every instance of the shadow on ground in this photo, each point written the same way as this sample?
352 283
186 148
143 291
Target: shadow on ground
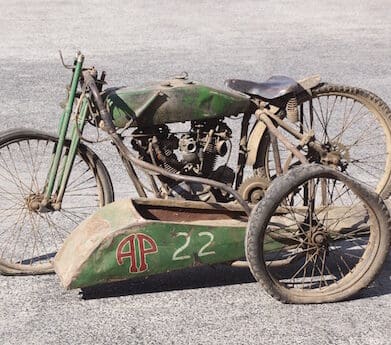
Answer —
192 278
209 276
382 285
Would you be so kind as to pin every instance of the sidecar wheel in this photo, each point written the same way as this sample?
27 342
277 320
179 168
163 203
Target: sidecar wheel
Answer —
331 233
29 236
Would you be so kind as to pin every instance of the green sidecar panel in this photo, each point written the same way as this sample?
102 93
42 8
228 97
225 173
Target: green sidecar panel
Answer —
126 240
176 100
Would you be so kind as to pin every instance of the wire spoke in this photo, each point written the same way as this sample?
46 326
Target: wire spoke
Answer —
27 235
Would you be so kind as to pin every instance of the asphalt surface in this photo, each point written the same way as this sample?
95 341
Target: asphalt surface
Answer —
138 42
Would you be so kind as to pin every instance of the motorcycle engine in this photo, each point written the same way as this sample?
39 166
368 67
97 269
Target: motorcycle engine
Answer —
192 153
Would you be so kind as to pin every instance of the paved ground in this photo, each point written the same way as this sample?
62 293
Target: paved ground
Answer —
137 42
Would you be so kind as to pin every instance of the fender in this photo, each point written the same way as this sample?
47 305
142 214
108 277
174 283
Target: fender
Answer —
310 82
254 142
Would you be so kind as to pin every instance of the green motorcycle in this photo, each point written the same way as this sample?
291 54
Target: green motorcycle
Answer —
50 183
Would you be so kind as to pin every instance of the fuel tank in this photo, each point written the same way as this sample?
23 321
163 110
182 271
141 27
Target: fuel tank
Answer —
176 100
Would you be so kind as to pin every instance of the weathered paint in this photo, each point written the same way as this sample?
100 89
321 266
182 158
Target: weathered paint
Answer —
63 128
100 249
69 157
173 101
116 243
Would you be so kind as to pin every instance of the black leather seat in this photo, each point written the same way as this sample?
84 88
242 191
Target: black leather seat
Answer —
274 87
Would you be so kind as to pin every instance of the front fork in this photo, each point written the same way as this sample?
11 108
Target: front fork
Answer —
61 176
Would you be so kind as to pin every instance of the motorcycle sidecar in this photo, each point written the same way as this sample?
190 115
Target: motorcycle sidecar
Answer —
316 236
133 238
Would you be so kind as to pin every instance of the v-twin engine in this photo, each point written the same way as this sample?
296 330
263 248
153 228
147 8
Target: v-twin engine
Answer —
191 153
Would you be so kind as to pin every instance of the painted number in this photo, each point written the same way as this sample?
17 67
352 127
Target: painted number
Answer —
176 255
202 252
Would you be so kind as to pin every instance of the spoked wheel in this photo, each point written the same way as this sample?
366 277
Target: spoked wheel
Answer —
318 236
354 126
30 235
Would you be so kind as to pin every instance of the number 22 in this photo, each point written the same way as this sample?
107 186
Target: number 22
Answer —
202 252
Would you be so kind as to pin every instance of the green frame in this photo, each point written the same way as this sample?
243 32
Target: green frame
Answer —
67 159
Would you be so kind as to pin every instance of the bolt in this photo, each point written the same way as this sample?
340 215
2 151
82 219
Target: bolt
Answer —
319 238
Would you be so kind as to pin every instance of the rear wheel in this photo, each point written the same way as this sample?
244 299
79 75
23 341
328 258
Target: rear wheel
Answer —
317 236
354 126
30 236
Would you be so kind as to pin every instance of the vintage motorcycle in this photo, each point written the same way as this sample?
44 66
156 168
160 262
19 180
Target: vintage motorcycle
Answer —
49 183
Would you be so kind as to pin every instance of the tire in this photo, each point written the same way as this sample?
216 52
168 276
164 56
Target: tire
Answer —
358 129
29 238
311 250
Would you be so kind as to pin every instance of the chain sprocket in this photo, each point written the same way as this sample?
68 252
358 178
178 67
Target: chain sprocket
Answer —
253 188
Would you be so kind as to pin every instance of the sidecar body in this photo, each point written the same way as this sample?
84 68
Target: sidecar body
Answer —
135 238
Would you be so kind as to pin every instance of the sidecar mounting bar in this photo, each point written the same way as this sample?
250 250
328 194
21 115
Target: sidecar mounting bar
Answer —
126 154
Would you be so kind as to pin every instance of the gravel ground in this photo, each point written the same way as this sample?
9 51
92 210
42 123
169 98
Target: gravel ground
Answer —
139 42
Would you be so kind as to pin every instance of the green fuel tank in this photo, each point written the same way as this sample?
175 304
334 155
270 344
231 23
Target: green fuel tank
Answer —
176 100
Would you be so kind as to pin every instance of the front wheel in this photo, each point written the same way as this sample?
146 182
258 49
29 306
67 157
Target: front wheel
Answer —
317 236
30 237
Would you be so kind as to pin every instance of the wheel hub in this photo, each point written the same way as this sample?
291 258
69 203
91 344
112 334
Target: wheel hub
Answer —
317 237
34 203
337 155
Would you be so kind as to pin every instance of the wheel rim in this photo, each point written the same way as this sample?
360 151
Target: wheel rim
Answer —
30 238
321 239
352 130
